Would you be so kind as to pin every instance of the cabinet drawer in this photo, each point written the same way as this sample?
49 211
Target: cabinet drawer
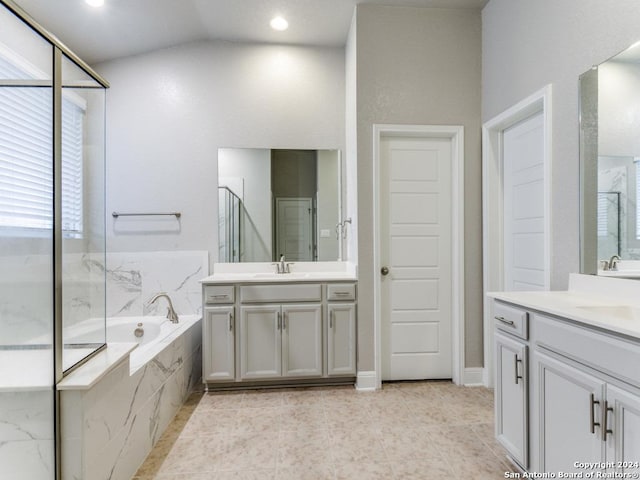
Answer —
301 292
615 356
219 294
341 291
511 319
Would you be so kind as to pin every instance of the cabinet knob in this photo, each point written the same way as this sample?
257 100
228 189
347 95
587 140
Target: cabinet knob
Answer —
384 270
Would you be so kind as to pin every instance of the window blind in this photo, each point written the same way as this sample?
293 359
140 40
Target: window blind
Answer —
26 156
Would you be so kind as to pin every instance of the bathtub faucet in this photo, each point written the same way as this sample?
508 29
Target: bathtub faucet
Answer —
171 313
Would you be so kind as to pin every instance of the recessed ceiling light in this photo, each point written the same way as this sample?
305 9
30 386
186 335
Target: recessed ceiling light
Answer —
279 23
95 3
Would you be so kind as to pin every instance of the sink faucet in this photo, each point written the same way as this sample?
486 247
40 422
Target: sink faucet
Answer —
171 313
282 267
613 262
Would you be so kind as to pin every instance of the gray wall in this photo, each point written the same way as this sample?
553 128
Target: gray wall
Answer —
169 111
418 66
529 44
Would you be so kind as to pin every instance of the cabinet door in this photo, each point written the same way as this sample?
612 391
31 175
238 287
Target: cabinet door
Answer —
218 344
511 399
261 342
623 421
569 415
341 339
302 340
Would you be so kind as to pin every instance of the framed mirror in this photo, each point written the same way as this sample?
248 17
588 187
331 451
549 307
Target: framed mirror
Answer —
274 202
610 166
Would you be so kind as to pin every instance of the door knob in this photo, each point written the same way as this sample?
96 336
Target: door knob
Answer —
384 270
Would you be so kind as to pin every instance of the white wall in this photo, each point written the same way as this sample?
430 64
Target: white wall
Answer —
169 111
527 45
418 66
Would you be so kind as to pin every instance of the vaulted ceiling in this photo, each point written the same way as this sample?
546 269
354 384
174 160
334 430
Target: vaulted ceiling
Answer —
128 27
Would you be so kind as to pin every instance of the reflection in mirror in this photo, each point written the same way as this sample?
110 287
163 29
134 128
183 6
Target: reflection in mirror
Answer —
610 173
274 202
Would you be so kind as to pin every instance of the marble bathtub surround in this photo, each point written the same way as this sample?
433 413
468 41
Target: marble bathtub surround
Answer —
413 430
134 277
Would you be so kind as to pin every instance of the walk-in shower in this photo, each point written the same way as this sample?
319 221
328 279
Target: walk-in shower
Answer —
52 234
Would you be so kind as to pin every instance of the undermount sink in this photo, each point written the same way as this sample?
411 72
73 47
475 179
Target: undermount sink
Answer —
625 312
281 275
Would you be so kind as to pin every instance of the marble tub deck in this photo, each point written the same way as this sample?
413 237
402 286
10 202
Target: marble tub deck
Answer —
415 430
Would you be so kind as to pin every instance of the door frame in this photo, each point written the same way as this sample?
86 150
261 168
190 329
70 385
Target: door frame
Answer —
492 205
455 133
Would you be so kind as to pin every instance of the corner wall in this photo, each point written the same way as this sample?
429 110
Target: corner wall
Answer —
418 66
527 45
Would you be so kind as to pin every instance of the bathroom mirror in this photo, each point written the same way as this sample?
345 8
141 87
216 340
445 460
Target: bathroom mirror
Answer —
274 202
610 165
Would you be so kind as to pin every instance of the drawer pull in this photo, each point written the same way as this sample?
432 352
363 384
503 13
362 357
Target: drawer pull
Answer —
225 295
517 361
592 420
341 294
505 321
605 421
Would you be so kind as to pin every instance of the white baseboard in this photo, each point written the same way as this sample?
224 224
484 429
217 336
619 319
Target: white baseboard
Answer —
366 381
474 377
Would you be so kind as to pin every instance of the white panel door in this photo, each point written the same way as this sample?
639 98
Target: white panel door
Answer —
294 229
524 248
341 339
415 208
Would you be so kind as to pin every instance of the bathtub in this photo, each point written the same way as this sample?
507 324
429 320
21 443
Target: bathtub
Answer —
159 333
112 424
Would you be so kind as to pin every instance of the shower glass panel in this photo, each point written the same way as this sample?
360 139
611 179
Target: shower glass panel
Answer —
609 225
229 216
83 214
27 390
52 236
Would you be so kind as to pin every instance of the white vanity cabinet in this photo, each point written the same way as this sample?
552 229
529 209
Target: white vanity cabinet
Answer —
512 380
567 391
218 333
588 402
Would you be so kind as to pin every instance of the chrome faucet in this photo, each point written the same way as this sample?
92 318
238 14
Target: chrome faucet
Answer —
282 267
171 313
613 262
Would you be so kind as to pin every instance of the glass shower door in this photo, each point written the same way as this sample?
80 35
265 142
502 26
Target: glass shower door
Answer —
27 391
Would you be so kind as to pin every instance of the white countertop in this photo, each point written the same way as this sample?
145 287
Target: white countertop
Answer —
87 375
606 303
265 272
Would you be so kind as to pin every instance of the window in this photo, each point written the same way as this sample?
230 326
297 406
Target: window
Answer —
26 173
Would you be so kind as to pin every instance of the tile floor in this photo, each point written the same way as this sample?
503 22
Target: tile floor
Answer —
406 431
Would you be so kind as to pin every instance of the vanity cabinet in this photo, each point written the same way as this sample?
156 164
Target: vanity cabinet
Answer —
281 340
341 330
218 333
512 381
578 399
285 333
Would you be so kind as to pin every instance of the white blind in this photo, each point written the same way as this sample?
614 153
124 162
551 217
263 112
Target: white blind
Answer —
26 157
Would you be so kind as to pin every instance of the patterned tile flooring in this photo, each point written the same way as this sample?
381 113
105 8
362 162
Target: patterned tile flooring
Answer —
406 431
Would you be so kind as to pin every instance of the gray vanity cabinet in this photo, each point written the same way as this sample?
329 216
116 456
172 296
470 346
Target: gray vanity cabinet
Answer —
281 341
341 339
218 332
